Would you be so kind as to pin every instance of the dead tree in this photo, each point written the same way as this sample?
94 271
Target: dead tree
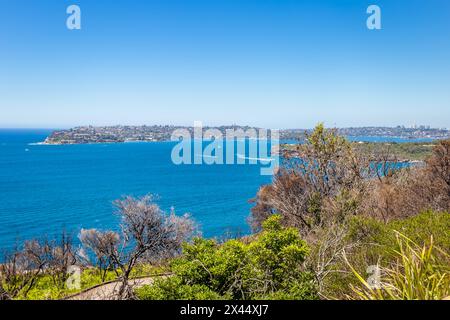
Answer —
101 244
22 267
62 257
146 234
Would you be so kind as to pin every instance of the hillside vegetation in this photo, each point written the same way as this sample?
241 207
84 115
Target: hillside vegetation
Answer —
342 223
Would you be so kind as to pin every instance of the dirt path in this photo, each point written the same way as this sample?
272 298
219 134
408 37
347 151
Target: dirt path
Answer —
109 290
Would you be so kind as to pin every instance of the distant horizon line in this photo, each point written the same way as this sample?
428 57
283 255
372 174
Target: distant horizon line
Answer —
427 127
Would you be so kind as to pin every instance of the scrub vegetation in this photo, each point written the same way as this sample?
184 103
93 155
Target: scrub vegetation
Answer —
338 221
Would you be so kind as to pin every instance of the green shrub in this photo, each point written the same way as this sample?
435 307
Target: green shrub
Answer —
268 267
378 240
173 289
376 244
419 228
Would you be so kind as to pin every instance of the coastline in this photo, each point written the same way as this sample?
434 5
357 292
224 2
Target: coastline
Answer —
163 133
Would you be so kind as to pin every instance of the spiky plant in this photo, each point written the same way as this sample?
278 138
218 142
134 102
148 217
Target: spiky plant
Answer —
418 273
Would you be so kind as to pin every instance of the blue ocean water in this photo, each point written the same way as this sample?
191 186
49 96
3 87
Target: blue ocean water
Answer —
46 188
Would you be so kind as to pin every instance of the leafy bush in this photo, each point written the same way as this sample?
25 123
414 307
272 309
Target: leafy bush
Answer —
174 289
269 267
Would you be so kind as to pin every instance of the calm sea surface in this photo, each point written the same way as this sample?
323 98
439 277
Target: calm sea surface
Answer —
46 188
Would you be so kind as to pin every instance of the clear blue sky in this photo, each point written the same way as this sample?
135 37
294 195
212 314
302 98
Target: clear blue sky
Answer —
269 63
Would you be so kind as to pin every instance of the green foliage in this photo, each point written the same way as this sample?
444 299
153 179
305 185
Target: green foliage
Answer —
45 289
269 267
146 269
278 252
418 228
326 141
418 273
417 151
173 288
378 245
